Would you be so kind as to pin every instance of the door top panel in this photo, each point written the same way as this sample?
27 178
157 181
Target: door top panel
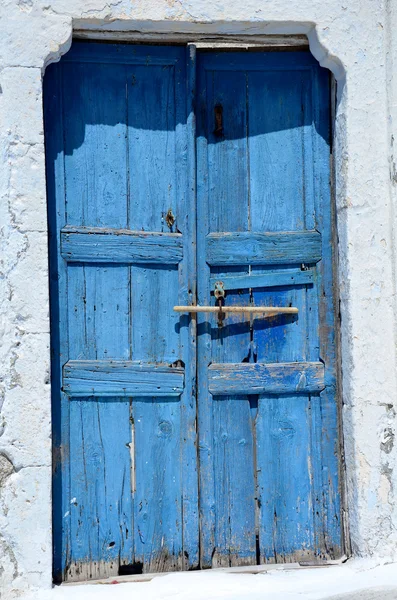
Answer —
264 140
123 136
130 54
257 61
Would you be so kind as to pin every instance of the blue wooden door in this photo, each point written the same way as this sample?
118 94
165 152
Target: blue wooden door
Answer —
266 386
122 219
180 443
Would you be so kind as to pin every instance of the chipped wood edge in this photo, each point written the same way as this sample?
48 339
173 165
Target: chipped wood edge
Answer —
200 40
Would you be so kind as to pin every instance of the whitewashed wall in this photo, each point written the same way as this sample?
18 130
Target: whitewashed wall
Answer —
357 40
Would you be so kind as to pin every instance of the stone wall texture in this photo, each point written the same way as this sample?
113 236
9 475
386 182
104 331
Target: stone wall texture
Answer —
357 41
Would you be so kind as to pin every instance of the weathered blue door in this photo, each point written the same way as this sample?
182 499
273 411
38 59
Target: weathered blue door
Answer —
122 221
186 440
266 386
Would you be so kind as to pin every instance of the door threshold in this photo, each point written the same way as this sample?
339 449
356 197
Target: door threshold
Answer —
249 570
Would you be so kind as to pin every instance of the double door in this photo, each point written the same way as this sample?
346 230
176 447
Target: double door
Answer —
186 439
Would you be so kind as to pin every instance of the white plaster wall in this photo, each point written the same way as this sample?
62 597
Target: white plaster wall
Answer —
357 40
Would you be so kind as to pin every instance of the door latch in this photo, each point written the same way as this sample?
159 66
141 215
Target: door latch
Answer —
219 293
219 290
222 310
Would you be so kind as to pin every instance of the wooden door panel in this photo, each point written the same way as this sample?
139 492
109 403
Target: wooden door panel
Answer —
121 219
280 150
154 113
285 465
100 476
95 149
265 215
158 497
155 327
98 310
281 338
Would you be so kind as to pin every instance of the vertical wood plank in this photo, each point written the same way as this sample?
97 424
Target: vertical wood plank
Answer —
280 202
226 426
188 326
204 401
165 497
96 195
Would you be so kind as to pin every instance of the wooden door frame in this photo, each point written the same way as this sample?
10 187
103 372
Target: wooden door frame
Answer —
276 44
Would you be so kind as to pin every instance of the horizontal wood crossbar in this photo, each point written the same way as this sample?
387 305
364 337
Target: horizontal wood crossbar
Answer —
86 244
121 378
259 378
248 248
264 280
